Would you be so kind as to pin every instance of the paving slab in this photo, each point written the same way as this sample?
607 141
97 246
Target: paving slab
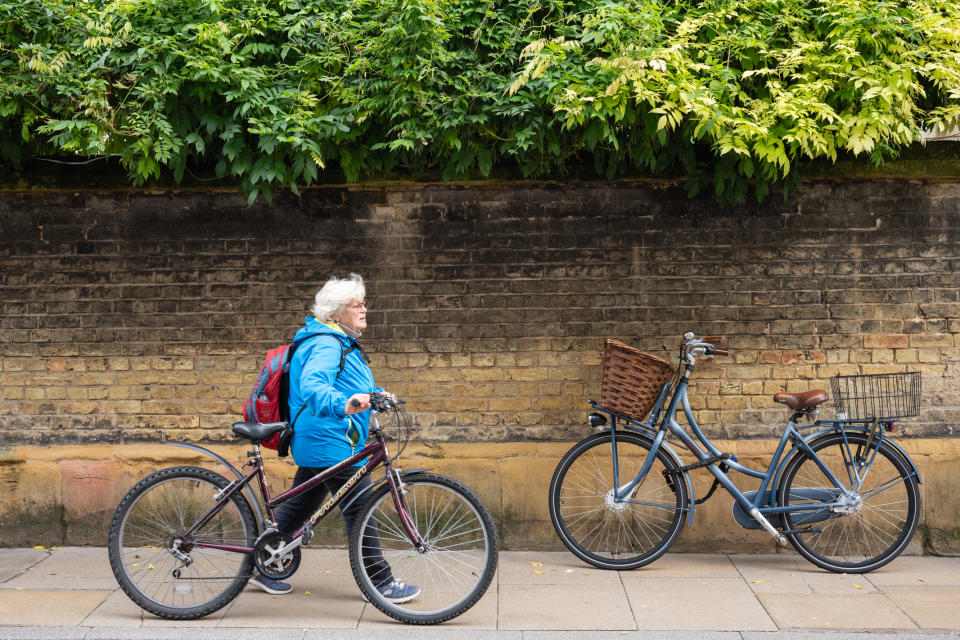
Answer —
324 562
69 568
930 607
712 604
793 574
686 565
116 611
53 608
531 567
631 635
328 601
564 607
916 570
868 611
14 562
442 632
846 635
123 633
44 633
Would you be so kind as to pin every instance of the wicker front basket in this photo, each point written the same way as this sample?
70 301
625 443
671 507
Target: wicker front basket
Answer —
632 379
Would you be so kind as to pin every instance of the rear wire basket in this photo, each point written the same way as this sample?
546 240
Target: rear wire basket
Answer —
883 395
632 379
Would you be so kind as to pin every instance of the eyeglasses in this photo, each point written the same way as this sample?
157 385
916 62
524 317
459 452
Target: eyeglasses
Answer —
359 306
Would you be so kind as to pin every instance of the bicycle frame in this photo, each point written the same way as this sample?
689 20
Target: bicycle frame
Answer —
376 452
762 502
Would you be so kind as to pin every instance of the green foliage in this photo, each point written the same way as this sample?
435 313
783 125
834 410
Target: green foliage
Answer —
732 94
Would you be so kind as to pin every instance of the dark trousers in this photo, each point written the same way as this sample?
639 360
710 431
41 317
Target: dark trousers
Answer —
294 512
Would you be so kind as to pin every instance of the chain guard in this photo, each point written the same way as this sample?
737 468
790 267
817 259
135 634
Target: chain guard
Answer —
269 563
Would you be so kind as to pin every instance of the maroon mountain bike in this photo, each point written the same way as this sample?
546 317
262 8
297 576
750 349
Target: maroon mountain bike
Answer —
184 541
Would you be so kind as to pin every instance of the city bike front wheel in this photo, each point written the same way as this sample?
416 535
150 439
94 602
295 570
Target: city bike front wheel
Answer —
177 580
452 570
876 525
603 531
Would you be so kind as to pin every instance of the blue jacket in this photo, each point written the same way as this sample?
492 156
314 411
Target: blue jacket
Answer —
323 435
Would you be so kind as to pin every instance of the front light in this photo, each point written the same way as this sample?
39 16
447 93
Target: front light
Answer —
596 420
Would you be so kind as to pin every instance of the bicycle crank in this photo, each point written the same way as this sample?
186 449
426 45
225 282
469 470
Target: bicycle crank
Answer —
275 556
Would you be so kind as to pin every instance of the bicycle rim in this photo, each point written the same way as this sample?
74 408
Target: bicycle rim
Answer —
875 532
142 534
610 534
460 557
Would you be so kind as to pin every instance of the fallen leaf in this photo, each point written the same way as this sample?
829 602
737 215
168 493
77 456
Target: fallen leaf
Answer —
540 572
150 567
39 547
306 592
536 564
758 581
135 564
920 580
856 586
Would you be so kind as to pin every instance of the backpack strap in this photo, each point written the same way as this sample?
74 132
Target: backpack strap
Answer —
284 381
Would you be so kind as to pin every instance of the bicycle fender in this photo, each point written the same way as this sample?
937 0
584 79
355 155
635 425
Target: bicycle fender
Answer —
251 498
373 485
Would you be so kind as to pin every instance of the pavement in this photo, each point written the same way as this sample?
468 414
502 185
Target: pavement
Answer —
70 593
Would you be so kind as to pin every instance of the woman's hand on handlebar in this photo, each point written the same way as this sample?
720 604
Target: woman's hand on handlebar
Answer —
357 403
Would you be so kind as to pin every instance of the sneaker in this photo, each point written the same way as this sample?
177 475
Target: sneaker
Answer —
270 585
398 592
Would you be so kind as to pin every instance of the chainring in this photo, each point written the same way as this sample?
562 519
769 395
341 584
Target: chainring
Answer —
268 560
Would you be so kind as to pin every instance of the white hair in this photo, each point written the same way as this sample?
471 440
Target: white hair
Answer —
336 294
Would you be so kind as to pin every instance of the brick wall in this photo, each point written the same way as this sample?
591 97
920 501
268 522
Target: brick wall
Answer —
140 315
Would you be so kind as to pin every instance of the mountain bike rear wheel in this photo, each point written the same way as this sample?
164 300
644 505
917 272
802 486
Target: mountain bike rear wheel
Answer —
454 569
872 530
144 555
610 534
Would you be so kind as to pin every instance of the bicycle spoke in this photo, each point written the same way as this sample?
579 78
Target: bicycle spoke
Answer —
865 531
455 563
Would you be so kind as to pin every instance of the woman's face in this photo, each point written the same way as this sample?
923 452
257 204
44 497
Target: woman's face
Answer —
354 315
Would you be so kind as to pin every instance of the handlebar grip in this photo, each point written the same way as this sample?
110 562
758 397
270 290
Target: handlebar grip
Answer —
715 340
721 352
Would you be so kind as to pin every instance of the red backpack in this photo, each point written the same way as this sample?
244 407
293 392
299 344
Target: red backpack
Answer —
268 400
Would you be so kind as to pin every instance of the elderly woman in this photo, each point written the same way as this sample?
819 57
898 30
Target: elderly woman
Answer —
330 385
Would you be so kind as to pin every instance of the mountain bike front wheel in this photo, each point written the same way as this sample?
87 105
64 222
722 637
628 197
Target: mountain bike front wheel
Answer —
168 578
442 580
875 527
603 531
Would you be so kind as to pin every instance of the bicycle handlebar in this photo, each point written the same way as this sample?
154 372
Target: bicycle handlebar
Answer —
703 347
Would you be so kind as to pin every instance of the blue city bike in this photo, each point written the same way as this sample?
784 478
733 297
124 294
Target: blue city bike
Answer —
840 491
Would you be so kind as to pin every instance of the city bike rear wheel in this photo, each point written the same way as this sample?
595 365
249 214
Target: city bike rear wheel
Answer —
454 569
142 535
610 534
874 530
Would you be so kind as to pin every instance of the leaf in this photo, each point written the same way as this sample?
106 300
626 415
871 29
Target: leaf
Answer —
484 161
